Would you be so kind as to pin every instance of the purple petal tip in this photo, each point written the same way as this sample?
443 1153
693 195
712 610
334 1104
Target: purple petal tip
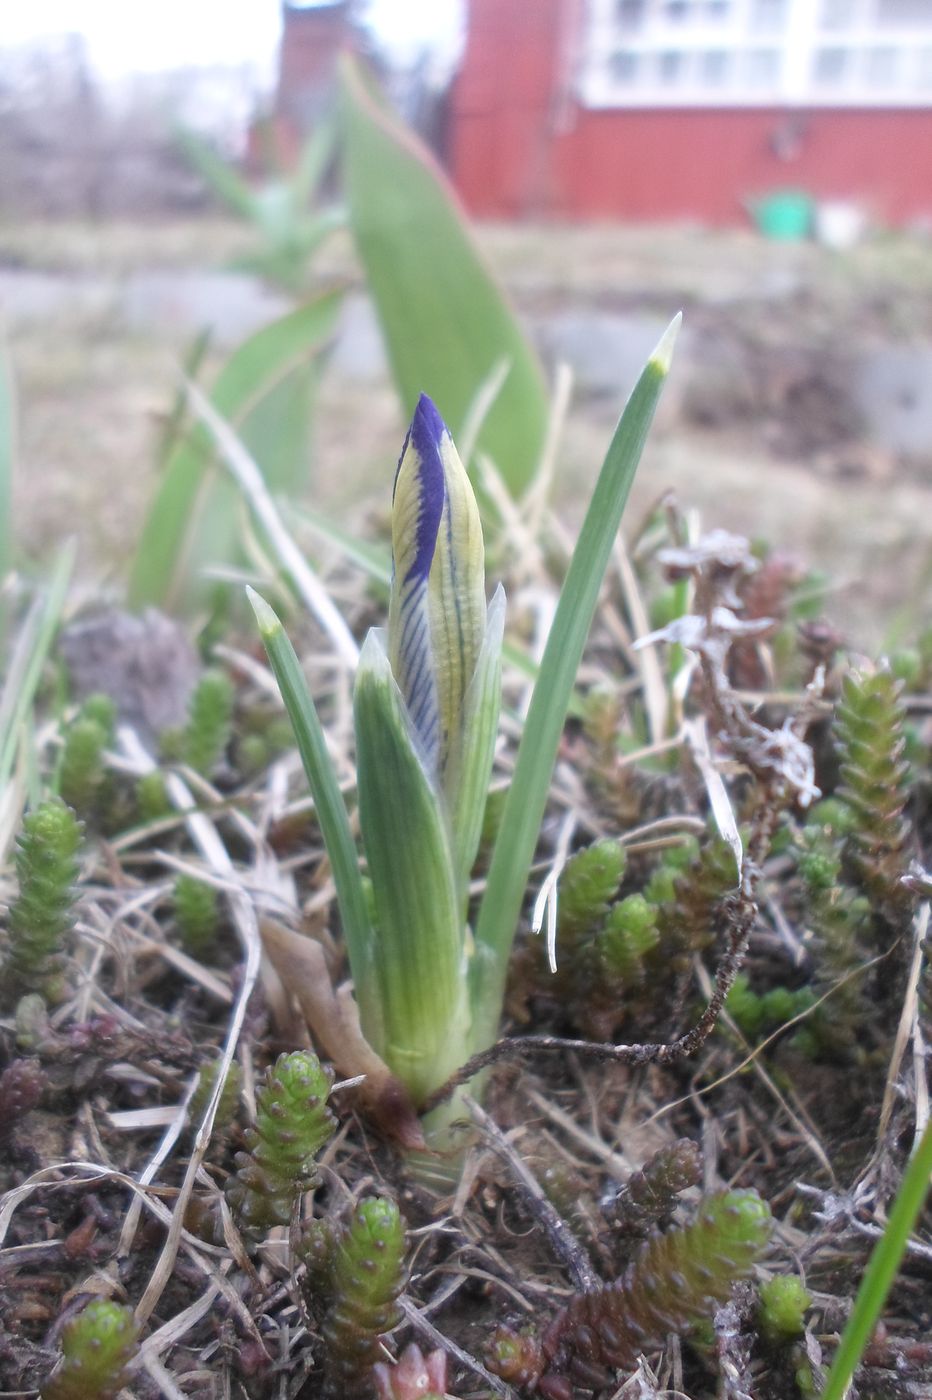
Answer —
424 438
427 426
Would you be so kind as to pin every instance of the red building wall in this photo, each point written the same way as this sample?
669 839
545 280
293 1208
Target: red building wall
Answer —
520 149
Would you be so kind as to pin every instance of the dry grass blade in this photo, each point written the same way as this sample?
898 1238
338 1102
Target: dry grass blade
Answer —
251 483
205 837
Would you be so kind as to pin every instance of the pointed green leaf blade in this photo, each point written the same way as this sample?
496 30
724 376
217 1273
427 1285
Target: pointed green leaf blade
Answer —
527 795
331 809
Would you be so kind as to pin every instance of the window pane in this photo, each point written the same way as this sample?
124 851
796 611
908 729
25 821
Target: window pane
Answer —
676 11
761 67
671 67
624 67
717 11
768 16
924 74
839 14
912 12
881 67
630 14
715 67
831 67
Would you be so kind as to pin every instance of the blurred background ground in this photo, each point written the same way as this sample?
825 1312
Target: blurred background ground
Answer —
800 408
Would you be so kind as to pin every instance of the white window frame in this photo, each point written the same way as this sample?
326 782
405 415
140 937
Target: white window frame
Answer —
801 39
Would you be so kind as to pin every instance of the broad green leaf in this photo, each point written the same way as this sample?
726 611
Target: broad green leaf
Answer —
266 391
445 321
530 785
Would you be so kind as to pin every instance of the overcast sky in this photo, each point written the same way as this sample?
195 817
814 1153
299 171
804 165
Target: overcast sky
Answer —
124 36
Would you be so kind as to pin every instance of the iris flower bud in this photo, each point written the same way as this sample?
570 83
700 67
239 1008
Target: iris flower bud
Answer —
426 710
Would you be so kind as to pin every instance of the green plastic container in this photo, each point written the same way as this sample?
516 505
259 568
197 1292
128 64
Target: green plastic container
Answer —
785 215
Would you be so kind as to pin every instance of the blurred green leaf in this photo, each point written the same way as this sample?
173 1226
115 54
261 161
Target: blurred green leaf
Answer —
266 391
222 178
445 320
881 1271
31 647
280 207
7 454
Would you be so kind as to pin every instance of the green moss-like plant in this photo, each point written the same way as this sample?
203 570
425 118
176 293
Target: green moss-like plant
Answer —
197 913
102 710
588 884
209 723
757 1014
629 935
229 1096
41 915
675 1281
81 775
367 1275
97 1347
690 920
292 1124
869 728
782 1311
152 799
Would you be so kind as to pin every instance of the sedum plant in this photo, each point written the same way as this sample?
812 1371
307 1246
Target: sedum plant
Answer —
870 735
41 915
673 1283
429 987
367 1273
97 1347
292 1124
207 732
82 774
197 913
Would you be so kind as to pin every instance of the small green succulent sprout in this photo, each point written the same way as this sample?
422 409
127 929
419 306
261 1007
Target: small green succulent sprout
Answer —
292 1124
152 797
426 712
81 773
207 732
229 1096
870 732
368 1273
47 869
630 934
196 912
97 1347
782 1312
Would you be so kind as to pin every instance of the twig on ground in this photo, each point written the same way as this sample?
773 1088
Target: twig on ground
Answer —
561 1237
